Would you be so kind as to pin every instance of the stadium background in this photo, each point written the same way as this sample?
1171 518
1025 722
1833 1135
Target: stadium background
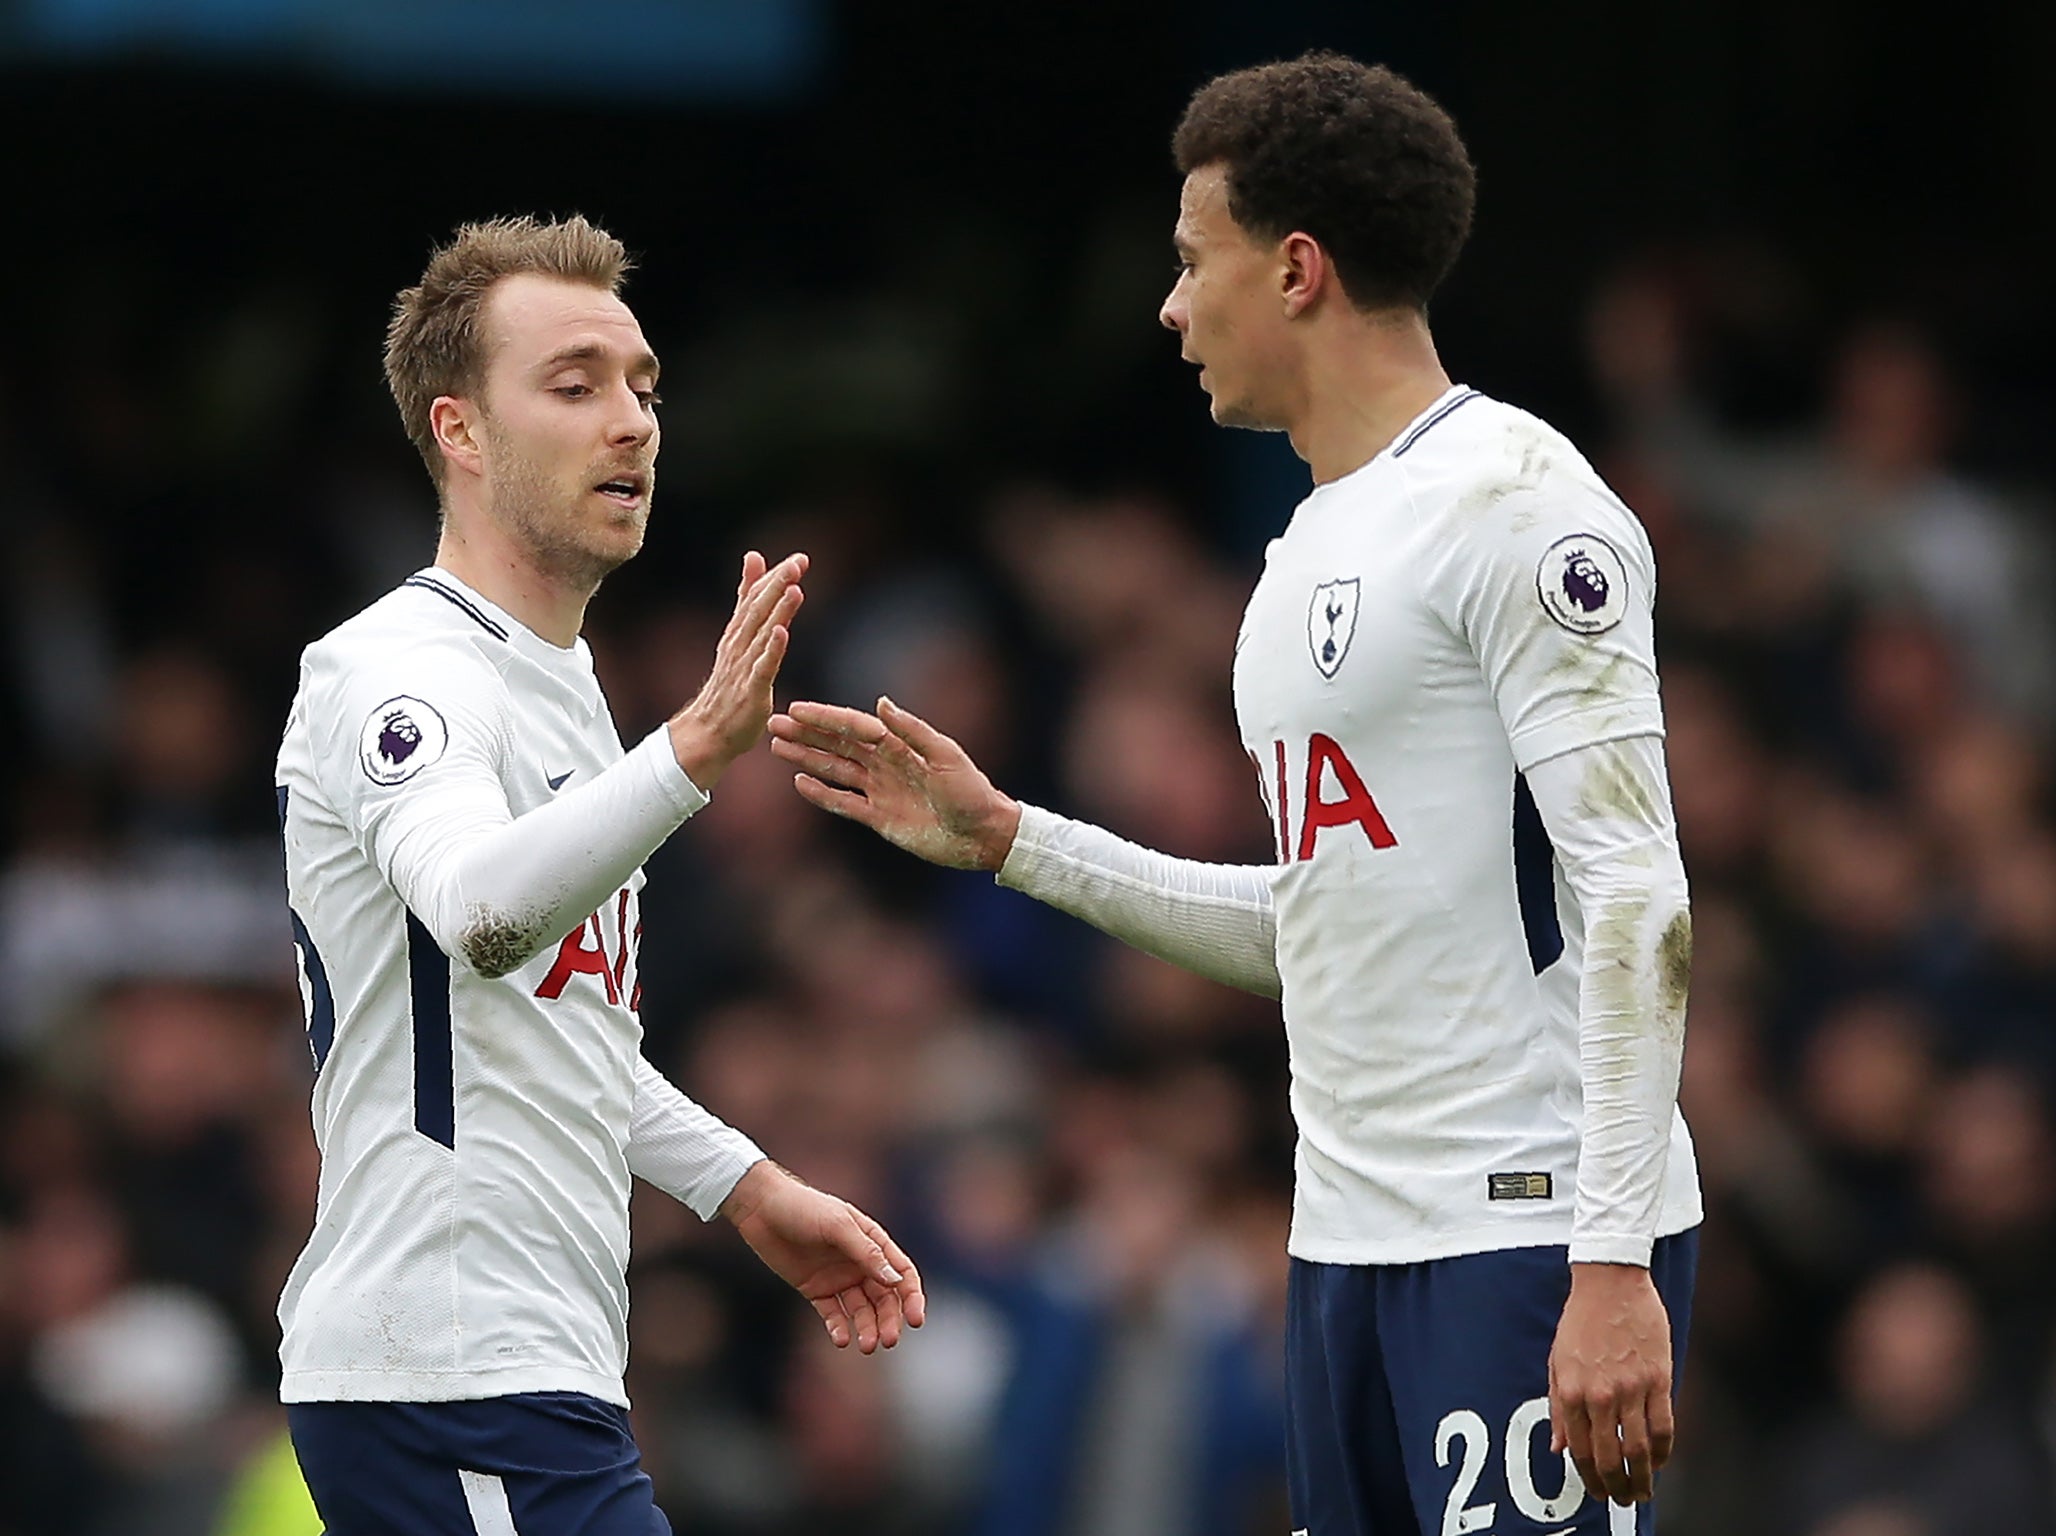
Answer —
1779 267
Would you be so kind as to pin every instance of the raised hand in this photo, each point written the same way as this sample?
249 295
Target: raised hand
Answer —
901 777
1610 1382
727 716
857 1278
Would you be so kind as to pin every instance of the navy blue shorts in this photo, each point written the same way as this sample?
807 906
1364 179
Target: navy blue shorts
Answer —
1419 1396
536 1464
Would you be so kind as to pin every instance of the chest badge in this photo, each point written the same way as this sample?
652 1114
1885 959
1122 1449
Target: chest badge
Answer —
1331 622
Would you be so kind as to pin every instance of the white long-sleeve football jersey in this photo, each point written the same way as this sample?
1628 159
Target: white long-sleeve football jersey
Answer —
1453 642
1471 605
464 838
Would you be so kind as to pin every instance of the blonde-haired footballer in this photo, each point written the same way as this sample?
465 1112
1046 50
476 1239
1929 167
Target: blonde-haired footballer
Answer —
464 840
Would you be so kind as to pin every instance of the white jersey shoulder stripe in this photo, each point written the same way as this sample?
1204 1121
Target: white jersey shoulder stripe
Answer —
427 584
1421 429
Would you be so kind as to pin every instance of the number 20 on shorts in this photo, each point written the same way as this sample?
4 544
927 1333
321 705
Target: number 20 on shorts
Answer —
1464 1434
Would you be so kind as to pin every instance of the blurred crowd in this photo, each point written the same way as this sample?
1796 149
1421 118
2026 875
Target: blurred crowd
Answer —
1087 1151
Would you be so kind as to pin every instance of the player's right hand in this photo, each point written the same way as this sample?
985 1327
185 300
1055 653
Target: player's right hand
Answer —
901 777
727 716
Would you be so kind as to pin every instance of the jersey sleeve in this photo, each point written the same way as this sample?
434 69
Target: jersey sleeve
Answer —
1215 920
688 1152
1552 587
412 747
1608 812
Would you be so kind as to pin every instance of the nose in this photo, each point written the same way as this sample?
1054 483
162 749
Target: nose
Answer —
1175 311
633 425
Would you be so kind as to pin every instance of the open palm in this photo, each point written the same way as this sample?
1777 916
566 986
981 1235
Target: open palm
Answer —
896 774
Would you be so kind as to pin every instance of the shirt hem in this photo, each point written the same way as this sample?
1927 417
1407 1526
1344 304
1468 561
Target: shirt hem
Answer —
445 1386
1455 1245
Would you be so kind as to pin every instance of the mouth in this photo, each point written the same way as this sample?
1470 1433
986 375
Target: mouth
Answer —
630 490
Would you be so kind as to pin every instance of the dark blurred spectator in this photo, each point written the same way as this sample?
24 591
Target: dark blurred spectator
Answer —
1914 1427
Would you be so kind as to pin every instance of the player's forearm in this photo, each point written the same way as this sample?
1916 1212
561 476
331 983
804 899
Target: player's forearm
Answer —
685 1150
1214 920
1631 1037
495 898
1607 808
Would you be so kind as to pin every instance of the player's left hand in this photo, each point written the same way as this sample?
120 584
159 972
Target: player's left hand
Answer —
841 1260
1610 1382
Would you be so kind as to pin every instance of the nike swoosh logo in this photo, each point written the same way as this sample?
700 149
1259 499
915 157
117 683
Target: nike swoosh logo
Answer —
558 782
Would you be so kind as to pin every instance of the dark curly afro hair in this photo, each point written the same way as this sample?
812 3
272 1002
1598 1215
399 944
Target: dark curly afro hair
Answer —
1352 154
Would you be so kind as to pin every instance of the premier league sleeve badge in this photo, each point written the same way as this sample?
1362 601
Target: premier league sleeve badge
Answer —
400 738
1583 584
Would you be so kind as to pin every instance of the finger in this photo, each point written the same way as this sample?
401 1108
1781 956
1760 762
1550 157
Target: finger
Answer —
839 801
760 604
1577 1439
815 741
835 1320
769 658
754 603
1663 1428
825 766
786 728
778 578
1608 1460
787 605
751 641
739 621
916 732
885 1301
862 1318
774 632
838 720
908 1284
1635 1455
857 1236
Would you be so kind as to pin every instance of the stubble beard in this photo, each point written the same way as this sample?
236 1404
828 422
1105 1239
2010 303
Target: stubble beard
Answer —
552 526
1236 413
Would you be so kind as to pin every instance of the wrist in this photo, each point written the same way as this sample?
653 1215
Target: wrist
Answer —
701 754
751 1190
996 840
1602 1274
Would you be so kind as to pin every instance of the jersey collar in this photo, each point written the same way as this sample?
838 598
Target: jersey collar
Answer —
577 660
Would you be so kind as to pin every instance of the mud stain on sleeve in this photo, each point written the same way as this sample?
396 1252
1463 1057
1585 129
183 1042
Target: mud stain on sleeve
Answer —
1612 790
1674 966
494 945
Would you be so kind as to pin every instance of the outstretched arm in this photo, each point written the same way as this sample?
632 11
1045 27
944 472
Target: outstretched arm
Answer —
896 774
495 889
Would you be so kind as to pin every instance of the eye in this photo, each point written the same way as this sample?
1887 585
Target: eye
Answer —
649 397
573 391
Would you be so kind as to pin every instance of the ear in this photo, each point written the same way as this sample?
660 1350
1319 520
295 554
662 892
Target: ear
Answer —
1304 273
454 421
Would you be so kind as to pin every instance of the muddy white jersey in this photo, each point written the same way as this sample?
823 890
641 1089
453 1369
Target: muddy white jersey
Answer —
480 1097
1470 603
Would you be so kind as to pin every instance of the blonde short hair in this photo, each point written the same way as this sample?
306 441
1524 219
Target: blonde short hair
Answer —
435 346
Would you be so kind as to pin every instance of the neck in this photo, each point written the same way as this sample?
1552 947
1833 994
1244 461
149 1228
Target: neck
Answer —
476 550
1365 379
